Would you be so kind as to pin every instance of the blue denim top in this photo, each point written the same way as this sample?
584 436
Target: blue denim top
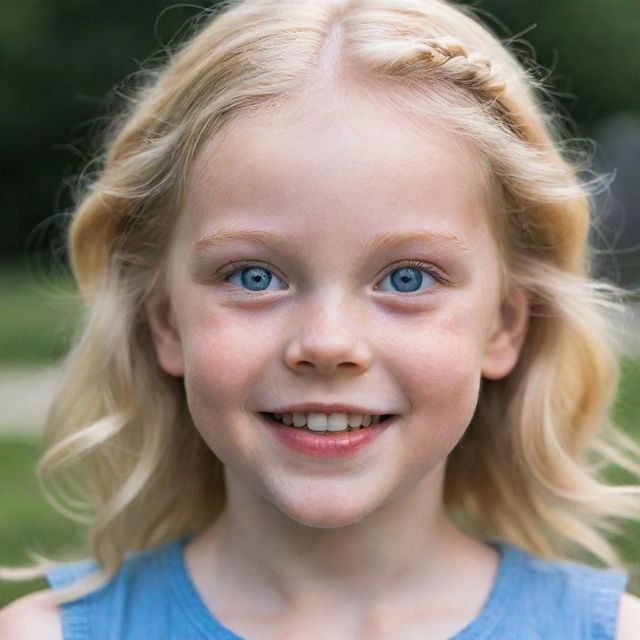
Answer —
152 597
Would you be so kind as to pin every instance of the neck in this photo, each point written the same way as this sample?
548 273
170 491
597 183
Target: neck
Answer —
405 551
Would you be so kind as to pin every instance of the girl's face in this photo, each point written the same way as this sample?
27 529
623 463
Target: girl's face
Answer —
345 258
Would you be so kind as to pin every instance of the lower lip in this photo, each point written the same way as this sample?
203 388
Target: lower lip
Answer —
333 445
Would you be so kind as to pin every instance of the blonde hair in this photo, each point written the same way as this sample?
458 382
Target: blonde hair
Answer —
529 468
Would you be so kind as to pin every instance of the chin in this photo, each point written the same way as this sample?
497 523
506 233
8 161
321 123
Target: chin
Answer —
326 513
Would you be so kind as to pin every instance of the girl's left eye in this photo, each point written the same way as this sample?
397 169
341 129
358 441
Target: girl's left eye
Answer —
411 278
255 278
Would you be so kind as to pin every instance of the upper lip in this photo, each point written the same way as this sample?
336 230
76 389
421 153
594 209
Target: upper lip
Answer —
318 407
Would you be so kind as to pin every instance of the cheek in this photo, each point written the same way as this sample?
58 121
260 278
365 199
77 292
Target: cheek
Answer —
224 354
224 358
441 371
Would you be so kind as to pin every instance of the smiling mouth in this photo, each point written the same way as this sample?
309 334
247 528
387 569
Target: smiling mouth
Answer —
327 424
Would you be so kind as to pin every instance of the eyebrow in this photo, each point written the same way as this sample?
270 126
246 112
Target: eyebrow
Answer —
248 235
392 239
400 238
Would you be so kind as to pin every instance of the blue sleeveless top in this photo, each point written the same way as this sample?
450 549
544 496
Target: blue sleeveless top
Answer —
152 597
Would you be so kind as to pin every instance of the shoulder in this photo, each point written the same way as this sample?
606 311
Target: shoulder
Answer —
572 580
628 618
581 600
31 617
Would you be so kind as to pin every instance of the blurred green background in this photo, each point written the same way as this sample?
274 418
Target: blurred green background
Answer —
62 71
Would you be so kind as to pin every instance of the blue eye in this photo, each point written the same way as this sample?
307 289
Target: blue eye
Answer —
409 280
406 279
255 279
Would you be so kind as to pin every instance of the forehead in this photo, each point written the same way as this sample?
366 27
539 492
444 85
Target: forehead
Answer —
340 156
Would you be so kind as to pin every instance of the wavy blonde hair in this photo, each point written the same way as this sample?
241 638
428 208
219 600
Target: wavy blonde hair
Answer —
529 468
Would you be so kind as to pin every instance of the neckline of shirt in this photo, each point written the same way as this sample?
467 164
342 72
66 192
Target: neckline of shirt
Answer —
494 609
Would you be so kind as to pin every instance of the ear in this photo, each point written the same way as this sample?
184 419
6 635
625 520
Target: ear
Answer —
507 336
165 335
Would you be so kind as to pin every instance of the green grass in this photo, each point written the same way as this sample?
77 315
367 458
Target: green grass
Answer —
28 521
626 410
626 414
39 313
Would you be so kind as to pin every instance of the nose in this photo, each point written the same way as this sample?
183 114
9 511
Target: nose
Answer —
328 339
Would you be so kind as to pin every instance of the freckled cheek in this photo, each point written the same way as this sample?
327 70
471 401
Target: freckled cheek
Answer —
441 376
446 384
224 355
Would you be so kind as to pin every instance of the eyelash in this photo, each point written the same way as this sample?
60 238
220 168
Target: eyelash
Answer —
234 267
429 269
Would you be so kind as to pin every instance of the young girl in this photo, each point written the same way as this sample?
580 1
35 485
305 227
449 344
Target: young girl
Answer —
323 217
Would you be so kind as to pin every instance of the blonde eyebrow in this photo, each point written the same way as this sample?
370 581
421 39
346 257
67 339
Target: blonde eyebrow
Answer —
400 238
280 241
251 235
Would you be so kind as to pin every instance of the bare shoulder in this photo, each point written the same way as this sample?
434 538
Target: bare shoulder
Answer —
32 617
629 618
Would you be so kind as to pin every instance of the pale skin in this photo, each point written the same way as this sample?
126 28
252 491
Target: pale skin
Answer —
358 547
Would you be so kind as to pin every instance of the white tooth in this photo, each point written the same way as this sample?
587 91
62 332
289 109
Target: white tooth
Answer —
299 419
287 418
355 420
366 420
317 422
337 422
375 419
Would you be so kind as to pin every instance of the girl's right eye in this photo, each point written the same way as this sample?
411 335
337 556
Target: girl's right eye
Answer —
255 278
